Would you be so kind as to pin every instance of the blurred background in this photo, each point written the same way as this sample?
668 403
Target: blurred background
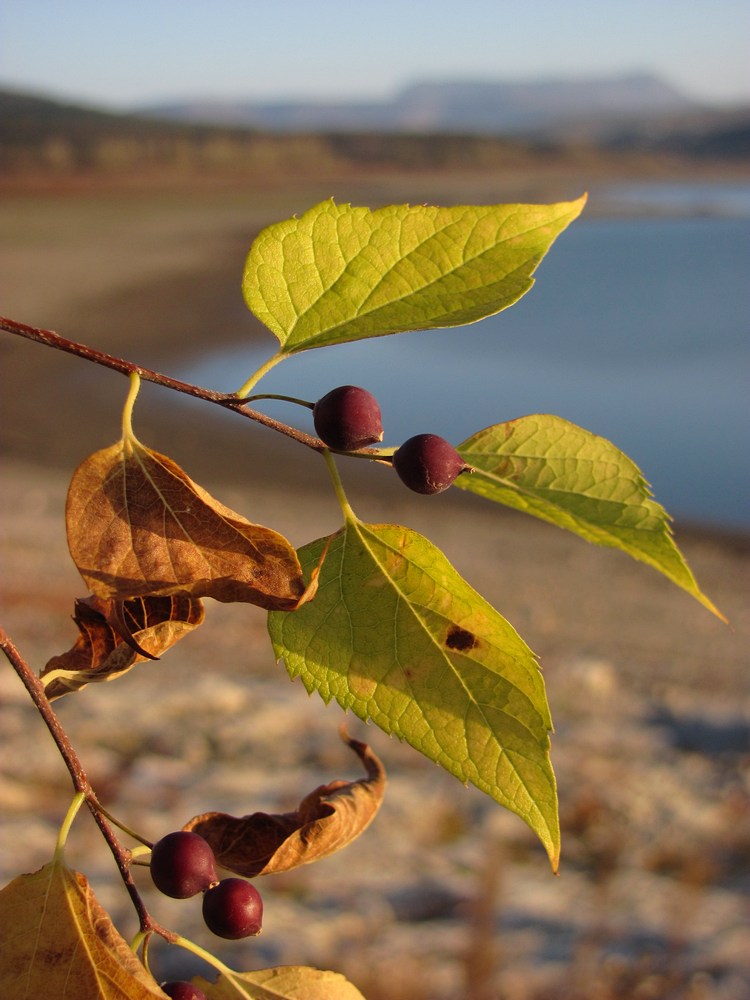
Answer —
142 147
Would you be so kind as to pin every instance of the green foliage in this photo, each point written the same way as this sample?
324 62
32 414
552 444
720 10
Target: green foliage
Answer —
397 636
340 273
548 467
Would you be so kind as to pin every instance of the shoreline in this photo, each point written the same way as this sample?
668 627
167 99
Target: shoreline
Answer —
207 437
155 277
150 322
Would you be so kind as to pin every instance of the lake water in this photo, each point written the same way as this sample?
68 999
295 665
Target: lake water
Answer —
638 329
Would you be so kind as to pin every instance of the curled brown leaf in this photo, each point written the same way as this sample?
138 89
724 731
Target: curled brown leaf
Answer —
114 636
327 819
139 526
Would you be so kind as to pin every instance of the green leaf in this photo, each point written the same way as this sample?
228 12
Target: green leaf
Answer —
340 273
397 636
549 467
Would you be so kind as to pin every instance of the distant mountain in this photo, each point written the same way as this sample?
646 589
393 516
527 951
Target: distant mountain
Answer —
43 136
453 106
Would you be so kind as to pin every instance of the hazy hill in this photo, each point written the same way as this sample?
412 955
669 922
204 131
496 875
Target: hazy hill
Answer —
453 106
39 135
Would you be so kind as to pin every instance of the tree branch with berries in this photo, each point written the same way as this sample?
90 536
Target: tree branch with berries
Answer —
373 616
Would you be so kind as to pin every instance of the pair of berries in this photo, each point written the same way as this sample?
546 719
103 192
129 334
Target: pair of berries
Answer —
183 864
348 418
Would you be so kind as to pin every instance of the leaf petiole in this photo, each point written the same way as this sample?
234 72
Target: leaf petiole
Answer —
247 388
147 844
214 961
338 487
78 799
382 455
141 940
127 412
276 395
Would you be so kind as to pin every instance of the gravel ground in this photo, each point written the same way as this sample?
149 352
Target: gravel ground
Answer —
652 745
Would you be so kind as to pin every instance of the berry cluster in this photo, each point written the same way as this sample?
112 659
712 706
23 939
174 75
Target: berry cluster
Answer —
182 865
348 418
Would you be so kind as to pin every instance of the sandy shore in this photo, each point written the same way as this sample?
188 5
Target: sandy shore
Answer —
636 670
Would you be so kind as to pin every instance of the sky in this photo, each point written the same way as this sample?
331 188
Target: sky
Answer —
123 54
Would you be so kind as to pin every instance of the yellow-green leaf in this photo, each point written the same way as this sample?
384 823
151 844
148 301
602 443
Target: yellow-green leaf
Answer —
285 982
397 636
341 273
57 941
549 467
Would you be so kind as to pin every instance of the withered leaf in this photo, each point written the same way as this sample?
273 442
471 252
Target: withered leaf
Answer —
138 525
101 651
326 820
284 982
57 941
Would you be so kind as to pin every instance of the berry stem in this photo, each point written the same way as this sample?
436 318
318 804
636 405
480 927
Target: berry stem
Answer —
78 799
382 455
277 395
230 974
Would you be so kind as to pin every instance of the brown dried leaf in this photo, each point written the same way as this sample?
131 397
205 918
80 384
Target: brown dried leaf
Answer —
138 525
102 652
327 819
57 941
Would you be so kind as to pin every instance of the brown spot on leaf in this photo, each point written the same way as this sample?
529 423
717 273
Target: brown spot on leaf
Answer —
460 639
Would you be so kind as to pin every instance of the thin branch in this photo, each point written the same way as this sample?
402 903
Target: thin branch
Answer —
52 339
232 402
36 690
80 780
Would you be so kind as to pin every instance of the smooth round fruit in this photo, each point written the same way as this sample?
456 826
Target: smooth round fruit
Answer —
348 418
183 864
182 990
233 909
427 463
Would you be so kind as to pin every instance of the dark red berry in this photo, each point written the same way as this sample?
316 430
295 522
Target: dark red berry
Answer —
348 418
182 990
233 909
182 864
427 463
